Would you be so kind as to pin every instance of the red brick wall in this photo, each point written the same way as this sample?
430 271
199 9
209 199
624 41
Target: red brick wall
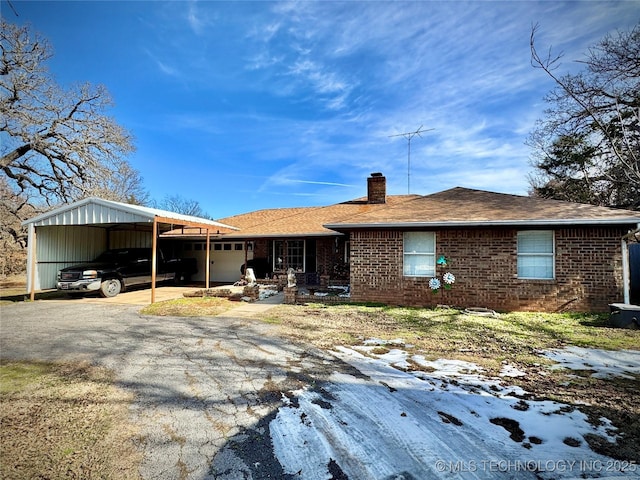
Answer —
484 261
261 248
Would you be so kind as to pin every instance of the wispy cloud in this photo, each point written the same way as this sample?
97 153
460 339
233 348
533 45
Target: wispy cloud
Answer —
165 68
311 182
347 75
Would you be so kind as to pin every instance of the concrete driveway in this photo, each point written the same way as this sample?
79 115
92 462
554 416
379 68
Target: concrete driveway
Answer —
206 388
135 296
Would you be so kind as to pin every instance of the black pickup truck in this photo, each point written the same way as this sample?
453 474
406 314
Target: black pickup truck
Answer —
116 270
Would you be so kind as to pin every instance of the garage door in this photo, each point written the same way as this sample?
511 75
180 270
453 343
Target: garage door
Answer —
226 259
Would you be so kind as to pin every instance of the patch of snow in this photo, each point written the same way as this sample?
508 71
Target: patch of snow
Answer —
511 371
448 422
381 342
604 363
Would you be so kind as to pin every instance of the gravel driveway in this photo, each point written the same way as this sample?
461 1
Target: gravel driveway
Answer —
206 388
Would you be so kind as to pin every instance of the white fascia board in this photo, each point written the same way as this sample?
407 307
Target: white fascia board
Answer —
151 213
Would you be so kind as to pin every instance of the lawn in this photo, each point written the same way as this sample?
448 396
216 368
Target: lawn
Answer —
64 421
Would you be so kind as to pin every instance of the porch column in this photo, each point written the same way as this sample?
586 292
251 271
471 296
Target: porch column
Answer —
626 281
246 256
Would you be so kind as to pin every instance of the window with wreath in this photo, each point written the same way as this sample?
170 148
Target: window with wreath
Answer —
288 254
419 252
536 255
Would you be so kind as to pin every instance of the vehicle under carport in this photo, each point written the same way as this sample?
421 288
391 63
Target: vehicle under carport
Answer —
79 232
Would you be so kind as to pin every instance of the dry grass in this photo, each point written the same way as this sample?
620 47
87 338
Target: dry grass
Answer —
515 337
64 421
12 286
190 307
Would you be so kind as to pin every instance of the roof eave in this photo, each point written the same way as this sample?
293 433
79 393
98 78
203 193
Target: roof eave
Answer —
254 236
483 223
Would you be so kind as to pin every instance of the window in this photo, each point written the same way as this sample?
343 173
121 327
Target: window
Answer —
536 255
293 257
419 254
217 246
227 246
238 246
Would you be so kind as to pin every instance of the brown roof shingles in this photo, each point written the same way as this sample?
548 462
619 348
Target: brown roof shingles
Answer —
454 207
459 206
307 221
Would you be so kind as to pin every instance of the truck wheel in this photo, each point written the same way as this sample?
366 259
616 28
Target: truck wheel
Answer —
181 278
110 288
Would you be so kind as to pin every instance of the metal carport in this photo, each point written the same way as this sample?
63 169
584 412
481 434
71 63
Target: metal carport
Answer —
79 231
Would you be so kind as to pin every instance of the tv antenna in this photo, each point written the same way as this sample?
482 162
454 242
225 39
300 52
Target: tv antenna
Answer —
409 136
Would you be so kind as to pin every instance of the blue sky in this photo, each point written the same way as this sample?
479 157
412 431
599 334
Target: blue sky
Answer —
249 105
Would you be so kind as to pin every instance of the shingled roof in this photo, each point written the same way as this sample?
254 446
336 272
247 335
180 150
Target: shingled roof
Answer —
467 207
304 221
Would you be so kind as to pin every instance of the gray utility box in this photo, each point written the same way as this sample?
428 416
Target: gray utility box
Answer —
624 315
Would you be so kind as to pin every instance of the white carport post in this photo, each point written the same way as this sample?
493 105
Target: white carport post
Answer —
154 258
32 261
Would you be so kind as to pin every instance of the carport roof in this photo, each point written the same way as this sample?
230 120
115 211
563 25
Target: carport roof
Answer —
93 210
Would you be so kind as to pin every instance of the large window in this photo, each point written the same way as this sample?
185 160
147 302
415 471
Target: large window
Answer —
536 255
288 254
419 254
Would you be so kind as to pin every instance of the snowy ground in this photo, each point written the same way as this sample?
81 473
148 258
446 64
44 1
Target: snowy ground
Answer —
446 421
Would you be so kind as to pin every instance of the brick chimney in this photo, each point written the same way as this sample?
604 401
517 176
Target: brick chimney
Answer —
376 188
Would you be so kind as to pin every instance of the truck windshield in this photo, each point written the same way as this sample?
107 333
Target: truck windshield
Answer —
117 256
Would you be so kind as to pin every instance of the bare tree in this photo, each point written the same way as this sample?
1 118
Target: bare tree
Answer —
594 119
13 238
179 204
124 184
58 145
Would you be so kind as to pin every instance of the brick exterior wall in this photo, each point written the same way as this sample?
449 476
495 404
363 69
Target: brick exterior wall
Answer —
588 265
261 249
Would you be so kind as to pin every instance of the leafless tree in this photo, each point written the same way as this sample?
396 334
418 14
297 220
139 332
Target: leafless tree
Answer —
179 204
58 144
13 238
124 184
597 111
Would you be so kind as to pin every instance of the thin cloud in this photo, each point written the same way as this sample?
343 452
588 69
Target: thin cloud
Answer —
312 182
162 66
